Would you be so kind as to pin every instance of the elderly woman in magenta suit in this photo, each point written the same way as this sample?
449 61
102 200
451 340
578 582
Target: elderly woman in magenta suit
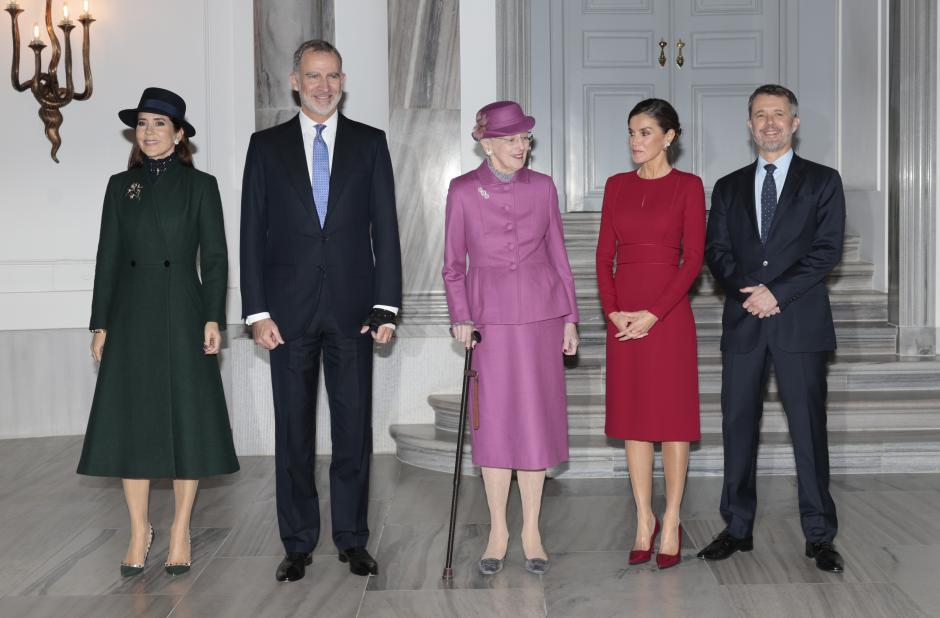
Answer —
517 291
159 409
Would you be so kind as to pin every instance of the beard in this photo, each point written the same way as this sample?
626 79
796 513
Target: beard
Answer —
312 105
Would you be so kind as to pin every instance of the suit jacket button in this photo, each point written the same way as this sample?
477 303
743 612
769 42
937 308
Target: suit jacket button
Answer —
323 237
166 263
764 263
133 263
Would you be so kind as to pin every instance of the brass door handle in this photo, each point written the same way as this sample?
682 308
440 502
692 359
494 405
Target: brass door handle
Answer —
662 52
680 59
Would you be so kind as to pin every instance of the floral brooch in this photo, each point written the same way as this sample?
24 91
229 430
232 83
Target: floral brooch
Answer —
133 191
483 193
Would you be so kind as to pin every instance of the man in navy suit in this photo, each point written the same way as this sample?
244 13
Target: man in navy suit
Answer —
320 278
774 233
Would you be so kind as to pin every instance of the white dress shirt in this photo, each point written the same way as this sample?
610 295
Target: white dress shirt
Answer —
308 128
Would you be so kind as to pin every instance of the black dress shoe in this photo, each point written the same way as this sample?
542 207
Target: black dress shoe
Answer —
293 566
724 545
360 562
827 558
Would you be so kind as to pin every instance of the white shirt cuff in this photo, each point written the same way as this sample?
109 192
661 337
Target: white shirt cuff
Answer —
257 317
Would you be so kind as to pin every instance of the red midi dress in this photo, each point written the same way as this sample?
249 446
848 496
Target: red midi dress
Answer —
652 383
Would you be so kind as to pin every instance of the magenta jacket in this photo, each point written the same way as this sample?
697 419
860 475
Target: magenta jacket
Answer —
518 270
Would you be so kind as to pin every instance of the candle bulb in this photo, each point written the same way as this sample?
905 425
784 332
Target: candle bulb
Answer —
13 6
85 12
35 32
65 12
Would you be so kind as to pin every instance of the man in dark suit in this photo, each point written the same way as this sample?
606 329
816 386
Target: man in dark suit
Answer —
774 233
320 269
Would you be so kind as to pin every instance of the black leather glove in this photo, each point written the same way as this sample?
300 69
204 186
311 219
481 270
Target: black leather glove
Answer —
377 317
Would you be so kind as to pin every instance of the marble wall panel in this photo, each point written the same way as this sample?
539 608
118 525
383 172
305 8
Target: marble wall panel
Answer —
280 26
424 100
425 157
424 54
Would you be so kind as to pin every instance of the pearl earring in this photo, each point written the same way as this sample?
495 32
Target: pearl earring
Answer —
668 144
176 142
489 153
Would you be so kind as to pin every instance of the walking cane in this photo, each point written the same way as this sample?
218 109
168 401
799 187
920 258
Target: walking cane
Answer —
468 374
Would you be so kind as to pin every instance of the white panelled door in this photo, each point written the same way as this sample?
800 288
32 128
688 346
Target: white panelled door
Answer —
716 52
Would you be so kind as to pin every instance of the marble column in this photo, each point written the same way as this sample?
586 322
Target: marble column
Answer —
424 100
513 49
913 184
280 26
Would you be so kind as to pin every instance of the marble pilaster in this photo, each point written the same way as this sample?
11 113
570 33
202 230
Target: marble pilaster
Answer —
279 28
513 48
913 189
424 99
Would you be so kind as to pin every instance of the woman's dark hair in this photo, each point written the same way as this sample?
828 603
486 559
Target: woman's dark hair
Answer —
184 151
659 110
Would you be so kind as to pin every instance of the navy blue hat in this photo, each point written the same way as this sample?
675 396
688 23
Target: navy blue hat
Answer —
159 101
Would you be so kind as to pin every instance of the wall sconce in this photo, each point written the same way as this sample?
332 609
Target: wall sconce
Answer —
45 86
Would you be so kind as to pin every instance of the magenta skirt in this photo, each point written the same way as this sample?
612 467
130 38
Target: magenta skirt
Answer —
523 405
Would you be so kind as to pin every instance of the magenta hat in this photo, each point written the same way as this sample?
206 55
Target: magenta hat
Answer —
500 119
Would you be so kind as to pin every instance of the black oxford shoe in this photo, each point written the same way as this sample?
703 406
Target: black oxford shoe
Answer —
293 566
724 545
827 558
360 562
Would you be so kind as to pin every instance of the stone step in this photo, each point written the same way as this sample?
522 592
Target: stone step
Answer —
582 248
847 305
845 276
586 374
854 337
850 452
847 411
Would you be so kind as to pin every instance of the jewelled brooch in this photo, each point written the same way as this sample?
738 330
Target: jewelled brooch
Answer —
483 193
133 191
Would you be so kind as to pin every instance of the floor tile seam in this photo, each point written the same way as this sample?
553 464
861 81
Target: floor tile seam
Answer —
58 549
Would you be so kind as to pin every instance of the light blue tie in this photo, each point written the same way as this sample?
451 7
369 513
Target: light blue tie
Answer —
321 174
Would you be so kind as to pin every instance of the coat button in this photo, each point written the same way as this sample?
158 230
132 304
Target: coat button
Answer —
166 263
509 226
323 237
506 207
764 263
511 245
512 266
133 263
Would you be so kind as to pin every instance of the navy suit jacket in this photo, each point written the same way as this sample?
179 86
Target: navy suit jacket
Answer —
288 262
803 246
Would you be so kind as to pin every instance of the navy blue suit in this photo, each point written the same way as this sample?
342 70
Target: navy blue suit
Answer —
803 246
319 284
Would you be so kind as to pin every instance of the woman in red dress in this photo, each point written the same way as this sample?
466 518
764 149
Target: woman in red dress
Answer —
649 216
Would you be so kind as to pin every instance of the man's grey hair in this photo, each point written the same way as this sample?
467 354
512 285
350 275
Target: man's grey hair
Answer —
315 45
778 91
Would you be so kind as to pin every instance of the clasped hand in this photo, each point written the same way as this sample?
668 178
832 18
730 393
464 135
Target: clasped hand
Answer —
760 302
632 324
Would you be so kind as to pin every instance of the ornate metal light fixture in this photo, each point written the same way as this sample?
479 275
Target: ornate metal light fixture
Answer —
45 85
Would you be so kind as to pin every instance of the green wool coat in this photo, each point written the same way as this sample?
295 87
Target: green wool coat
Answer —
159 409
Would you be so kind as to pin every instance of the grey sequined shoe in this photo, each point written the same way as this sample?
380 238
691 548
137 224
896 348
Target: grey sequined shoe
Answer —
491 566
537 566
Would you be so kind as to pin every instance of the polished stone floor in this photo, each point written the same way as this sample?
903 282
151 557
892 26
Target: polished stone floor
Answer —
62 537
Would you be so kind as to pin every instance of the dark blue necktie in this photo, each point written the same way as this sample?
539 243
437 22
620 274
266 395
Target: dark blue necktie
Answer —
321 174
768 202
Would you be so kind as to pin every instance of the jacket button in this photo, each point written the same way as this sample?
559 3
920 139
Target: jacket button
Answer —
166 263
511 245
509 226
506 207
512 266
133 263
764 263
324 237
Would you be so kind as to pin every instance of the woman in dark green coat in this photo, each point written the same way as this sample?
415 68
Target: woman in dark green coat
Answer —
159 409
